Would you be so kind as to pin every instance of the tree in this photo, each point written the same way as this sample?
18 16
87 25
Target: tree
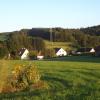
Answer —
49 53
3 52
38 44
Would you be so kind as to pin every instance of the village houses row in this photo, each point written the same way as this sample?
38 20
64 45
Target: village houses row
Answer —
24 53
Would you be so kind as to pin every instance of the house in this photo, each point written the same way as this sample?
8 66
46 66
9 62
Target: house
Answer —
97 51
85 50
60 52
24 54
40 56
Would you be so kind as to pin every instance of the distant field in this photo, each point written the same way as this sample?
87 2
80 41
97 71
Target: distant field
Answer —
3 37
64 45
69 78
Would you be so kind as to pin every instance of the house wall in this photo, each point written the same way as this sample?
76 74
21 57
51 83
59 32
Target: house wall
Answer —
92 50
61 52
25 55
40 57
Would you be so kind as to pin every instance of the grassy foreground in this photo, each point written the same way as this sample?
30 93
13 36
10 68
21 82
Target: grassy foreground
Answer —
68 79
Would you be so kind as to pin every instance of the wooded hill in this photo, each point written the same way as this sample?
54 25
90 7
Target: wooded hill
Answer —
33 39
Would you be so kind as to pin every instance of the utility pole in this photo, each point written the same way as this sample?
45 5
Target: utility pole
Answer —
51 37
85 42
51 42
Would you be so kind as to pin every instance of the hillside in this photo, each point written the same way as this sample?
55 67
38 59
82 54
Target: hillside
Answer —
95 30
41 39
45 32
64 45
3 37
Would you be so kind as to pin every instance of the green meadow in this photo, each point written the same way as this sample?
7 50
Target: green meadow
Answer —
64 45
68 78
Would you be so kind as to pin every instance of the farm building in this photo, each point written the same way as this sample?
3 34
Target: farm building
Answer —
85 50
97 51
60 52
40 56
24 54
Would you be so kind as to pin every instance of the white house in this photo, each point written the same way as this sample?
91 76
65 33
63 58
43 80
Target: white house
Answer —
60 52
92 50
85 50
24 54
40 56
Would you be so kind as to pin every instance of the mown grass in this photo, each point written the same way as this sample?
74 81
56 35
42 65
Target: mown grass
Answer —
64 45
67 80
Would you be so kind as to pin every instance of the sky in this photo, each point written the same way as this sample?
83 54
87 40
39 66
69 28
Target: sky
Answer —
21 14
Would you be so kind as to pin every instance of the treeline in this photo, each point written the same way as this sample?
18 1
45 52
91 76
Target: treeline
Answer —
33 39
95 30
79 37
17 40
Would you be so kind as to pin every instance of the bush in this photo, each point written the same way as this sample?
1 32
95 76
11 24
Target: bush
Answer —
49 53
33 54
22 77
3 52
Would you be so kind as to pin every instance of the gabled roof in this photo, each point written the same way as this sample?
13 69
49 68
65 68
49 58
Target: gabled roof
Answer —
57 49
21 51
84 49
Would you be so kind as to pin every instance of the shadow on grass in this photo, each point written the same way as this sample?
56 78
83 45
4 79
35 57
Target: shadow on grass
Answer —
65 83
12 96
92 59
90 74
71 93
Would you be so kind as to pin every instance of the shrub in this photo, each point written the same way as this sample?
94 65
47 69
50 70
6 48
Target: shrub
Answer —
3 52
49 53
33 54
22 77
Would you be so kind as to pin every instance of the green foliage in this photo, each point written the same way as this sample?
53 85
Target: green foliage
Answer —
95 30
20 40
49 53
33 54
33 39
3 36
17 41
3 52
38 44
22 77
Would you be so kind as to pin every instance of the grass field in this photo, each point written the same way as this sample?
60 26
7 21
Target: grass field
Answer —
64 45
69 78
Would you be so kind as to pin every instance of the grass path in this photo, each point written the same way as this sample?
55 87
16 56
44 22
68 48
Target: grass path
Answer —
3 73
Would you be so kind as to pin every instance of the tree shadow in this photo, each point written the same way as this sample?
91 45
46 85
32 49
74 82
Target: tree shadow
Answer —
92 59
65 83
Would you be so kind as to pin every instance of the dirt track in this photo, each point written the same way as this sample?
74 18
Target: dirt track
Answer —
3 73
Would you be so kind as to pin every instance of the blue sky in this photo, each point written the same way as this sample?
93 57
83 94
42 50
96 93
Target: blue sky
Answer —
19 14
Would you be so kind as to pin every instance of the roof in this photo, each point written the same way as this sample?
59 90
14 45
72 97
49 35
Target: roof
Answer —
57 49
21 51
40 54
84 49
